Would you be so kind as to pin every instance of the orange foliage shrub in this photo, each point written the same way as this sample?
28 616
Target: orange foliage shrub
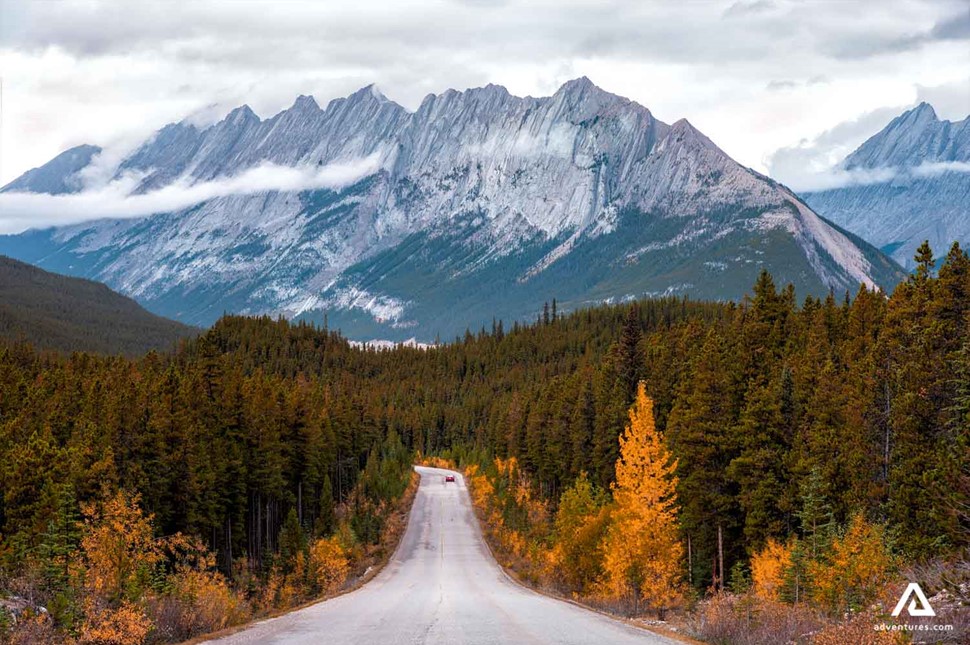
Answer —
854 571
119 548
125 624
328 566
207 602
768 568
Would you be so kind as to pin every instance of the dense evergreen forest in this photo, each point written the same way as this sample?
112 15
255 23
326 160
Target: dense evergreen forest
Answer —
259 429
57 312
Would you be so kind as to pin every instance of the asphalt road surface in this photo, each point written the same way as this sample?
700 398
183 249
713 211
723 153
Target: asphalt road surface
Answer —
442 586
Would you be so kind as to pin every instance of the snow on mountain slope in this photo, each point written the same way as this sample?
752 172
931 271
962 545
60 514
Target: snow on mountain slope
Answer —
480 204
927 195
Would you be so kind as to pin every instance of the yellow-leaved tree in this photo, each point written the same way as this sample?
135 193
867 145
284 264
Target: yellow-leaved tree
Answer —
642 554
768 568
120 554
857 567
328 566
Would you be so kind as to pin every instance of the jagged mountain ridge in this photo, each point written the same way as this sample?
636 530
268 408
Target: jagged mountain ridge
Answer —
927 196
479 204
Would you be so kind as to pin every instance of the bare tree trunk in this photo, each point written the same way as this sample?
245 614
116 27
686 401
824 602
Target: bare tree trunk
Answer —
885 467
720 556
229 546
690 563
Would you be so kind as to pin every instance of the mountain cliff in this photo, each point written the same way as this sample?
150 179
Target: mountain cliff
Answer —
477 205
926 193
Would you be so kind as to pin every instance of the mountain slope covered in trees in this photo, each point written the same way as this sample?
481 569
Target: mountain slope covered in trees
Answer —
70 314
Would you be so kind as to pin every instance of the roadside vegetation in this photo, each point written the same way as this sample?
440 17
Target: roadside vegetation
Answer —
784 467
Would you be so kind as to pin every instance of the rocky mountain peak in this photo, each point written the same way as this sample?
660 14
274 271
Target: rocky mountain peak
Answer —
578 86
914 137
305 103
581 194
927 191
922 112
241 115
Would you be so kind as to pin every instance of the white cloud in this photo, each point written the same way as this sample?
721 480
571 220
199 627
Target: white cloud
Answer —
936 169
813 164
841 178
87 72
115 199
838 177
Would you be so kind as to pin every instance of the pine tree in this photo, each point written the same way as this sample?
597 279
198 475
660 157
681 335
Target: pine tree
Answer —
925 264
629 355
292 540
815 514
326 517
697 434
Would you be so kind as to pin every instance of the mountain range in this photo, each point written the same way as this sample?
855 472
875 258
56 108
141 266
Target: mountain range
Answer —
478 205
918 186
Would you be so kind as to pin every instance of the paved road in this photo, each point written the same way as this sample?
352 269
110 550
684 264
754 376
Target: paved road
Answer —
442 586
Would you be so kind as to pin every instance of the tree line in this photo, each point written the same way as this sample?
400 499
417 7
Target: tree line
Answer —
861 403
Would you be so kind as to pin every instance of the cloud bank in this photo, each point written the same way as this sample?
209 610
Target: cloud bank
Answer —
115 200
743 71
847 178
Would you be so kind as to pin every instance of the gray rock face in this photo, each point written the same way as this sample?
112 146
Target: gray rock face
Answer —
482 205
57 176
928 196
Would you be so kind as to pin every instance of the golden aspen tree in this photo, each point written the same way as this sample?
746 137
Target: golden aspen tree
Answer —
856 568
328 566
120 553
642 554
768 568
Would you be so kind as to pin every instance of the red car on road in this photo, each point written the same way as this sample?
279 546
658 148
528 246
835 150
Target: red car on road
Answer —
449 478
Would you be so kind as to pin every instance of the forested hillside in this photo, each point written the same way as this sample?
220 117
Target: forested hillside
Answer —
248 437
69 314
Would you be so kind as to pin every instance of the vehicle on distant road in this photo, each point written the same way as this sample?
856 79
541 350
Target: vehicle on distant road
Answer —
449 478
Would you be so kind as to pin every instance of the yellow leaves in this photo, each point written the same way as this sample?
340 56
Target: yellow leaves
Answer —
482 489
768 568
581 522
642 551
119 547
208 604
328 565
645 470
120 556
125 624
434 461
855 569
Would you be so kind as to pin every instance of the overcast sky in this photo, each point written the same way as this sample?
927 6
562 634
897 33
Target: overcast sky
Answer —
785 86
